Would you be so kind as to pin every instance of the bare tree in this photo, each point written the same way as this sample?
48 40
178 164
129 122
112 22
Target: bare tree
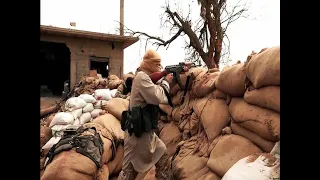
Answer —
205 36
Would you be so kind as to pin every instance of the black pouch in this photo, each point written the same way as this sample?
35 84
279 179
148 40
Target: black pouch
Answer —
150 115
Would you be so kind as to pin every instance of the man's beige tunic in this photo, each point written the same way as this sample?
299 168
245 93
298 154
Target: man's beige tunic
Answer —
144 152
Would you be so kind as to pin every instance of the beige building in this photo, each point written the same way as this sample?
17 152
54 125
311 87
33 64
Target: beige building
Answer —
69 54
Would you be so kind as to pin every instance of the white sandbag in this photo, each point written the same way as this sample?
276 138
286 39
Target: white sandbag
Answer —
74 103
102 94
76 113
95 113
76 122
98 104
85 117
51 142
62 118
113 92
87 98
265 167
56 130
88 108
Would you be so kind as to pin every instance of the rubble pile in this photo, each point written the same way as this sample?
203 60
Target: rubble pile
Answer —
227 126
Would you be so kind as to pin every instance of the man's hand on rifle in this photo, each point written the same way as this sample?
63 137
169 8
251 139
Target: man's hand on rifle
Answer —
169 78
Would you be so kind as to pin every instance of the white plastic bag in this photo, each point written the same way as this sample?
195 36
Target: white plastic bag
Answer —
85 117
62 118
51 142
88 108
87 98
95 113
265 167
74 103
76 113
99 103
102 94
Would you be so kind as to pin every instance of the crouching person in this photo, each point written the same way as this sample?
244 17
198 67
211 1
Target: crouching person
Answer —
142 147
80 154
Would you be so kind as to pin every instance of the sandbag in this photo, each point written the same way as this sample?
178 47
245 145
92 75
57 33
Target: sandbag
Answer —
111 123
265 97
263 69
102 94
176 100
228 150
184 168
85 117
62 118
217 94
232 80
76 113
214 115
95 113
263 122
204 85
98 104
176 114
112 165
263 166
265 145
170 136
113 92
70 165
113 82
45 135
209 175
88 98
74 103
88 108
116 106
103 173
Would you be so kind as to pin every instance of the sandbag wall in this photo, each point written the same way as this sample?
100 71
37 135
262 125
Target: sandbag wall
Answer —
108 117
225 116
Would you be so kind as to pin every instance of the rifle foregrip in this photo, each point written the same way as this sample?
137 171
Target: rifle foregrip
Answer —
157 76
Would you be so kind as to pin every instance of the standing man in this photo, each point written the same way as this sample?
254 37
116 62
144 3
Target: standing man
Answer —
143 151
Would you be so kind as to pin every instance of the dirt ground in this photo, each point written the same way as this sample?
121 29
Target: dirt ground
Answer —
48 101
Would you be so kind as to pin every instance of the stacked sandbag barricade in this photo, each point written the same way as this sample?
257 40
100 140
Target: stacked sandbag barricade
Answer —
99 109
226 117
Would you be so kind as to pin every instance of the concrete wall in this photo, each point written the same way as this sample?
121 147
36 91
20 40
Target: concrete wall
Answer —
79 60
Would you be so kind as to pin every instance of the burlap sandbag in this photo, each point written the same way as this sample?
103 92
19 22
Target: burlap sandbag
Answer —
170 136
232 80
217 94
214 116
265 97
112 165
176 100
204 85
111 123
263 69
116 106
185 168
265 145
209 175
229 150
176 114
263 122
113 82
45 135
103 173
74 166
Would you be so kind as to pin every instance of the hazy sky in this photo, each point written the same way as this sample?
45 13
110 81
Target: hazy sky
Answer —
261 30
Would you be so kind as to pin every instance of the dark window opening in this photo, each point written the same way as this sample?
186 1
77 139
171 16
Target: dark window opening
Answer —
54 68
101 65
